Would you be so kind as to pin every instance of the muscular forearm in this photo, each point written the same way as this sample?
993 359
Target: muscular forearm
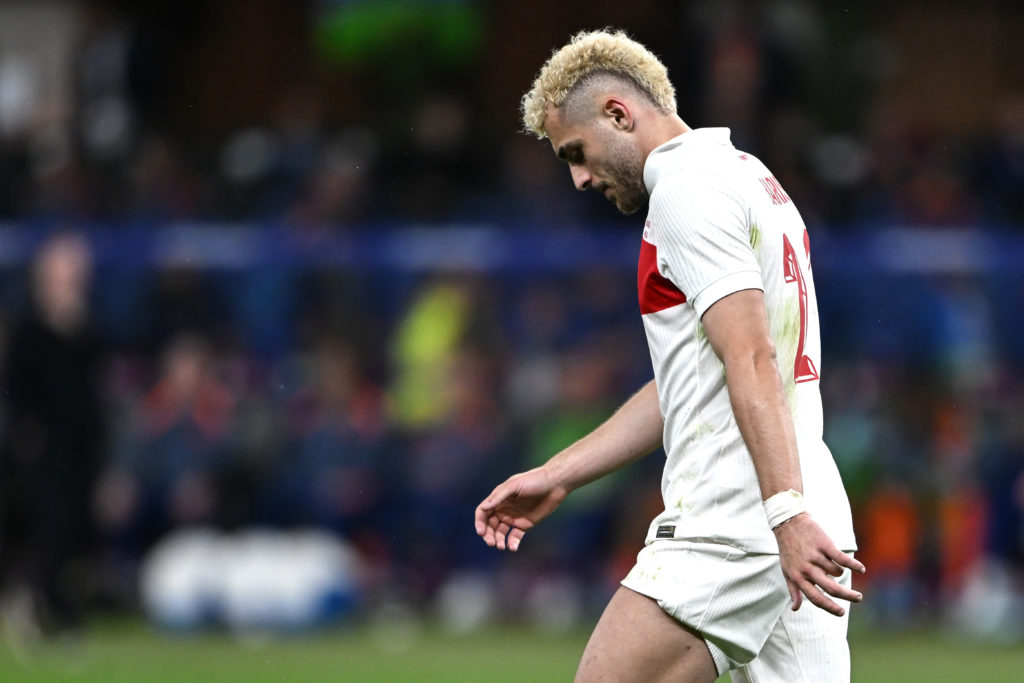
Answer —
737 329
759 404
633 431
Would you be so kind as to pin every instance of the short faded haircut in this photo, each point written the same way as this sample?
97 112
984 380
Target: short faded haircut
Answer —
595 53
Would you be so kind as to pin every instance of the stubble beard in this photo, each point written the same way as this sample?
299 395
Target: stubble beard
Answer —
626 171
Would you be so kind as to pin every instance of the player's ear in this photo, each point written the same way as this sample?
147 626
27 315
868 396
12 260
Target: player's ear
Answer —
619 112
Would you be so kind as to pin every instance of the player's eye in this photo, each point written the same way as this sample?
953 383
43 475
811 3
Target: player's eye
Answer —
571 154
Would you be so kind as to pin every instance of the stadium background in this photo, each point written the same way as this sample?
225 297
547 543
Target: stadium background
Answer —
334 289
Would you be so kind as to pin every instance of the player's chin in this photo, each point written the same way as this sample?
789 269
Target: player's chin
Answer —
627 207
629 203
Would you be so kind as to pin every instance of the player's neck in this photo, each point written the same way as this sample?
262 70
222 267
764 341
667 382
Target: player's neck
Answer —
664 129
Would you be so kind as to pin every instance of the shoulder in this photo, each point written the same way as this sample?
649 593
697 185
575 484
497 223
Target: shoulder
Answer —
697 190
699 169
692 180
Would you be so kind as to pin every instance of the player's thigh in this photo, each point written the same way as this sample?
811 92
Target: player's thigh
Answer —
806 646
635 640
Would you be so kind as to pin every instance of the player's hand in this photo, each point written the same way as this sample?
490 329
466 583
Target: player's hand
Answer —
810 561
515 506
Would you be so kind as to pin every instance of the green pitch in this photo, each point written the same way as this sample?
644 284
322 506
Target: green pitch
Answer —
132 652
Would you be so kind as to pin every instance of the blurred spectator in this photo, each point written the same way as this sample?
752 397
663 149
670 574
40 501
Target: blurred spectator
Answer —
734 76
106 122
1001 159
54 446
172 452
445 314
161 186
331 472
540 328
587 393
1003 478
445 468
889 536
436 166
424 348
961 509
182 301
338 191
529 190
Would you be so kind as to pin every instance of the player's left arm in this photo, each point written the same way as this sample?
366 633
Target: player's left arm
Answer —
737 329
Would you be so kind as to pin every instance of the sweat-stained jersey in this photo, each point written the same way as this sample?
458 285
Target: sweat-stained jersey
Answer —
719 222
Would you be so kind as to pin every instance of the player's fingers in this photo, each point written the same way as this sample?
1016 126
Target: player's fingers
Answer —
480 521
515 537
819 599
505 518
515 521
488 536
500 535
834 562
837 590
795 596
844 560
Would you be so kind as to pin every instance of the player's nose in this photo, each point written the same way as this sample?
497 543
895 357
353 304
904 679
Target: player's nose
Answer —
580 177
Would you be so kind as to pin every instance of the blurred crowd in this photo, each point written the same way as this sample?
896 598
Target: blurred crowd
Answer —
382 403
399 399
333 143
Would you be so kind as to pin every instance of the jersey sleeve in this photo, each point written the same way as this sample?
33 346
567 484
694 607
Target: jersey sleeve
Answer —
703 238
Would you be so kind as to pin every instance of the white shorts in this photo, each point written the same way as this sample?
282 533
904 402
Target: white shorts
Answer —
740 604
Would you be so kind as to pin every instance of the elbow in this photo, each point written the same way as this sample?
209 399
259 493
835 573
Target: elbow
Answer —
755 359
765 355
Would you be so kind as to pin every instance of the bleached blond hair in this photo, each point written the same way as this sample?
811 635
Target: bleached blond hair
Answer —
592 53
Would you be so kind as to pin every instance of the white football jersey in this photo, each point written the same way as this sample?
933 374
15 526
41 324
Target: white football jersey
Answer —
719 222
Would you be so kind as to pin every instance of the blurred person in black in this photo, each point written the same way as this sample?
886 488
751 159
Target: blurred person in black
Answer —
54 443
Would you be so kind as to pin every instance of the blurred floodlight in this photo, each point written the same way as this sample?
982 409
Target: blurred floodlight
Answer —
248 156
107 126
840 160
17 95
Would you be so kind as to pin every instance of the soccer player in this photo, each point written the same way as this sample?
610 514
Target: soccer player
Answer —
756 533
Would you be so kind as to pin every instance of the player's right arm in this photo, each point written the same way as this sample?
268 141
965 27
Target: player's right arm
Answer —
518 503
737 329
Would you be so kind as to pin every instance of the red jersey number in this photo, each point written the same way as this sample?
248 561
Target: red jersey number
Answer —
803 368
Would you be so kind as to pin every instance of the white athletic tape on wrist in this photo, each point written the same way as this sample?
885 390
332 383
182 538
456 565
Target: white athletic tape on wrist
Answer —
782 506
